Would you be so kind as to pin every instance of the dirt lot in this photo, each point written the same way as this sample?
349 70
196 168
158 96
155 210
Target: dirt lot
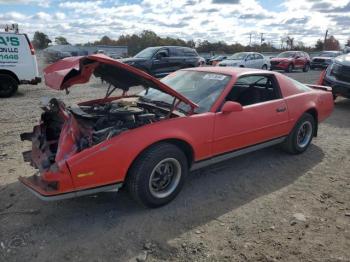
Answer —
265 206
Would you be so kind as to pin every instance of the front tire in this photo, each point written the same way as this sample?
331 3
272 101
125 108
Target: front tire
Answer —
8 86
301 136
158 175
306 68
264 67
289 68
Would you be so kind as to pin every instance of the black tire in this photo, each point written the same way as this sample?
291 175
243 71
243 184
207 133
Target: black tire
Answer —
306 67
289 68
8 85
264 67
292 144
139 180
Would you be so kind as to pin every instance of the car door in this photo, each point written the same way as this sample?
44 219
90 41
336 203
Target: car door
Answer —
249 61
259 61
160 64
176 59
300 60
258 122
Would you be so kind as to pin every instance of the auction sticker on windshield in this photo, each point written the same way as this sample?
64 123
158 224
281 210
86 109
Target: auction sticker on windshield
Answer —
214 77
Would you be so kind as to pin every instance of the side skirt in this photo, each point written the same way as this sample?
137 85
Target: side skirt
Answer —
239 152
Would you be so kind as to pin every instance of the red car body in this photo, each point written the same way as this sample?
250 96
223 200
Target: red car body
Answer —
202 136
296 60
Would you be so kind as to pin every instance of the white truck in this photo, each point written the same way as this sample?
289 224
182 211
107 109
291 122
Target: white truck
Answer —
18 63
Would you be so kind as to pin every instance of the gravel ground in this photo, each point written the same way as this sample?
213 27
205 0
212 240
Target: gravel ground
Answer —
264 206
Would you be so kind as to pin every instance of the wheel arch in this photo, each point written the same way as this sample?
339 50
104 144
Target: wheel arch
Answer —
313 111
10 73
183 145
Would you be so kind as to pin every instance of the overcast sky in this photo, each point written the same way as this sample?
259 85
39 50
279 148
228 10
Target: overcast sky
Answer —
214 20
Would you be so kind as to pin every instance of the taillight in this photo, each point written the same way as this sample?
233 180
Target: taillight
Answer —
32 50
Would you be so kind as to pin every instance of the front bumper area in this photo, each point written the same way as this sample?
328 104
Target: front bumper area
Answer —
319 64
338 87
279 66
42 189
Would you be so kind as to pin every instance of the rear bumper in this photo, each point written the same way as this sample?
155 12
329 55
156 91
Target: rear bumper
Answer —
34 81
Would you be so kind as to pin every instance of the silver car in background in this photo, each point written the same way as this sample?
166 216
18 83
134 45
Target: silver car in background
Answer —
247 59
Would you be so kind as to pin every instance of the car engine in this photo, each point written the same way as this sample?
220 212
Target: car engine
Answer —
110 119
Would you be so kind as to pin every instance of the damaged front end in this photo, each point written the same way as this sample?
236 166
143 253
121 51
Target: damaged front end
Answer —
53 140
64 132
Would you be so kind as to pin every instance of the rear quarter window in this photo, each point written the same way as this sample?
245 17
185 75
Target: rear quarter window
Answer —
300 86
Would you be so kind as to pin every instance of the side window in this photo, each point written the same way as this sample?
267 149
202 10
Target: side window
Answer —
258 56
250 57
189 52
253 89
177 52
162 53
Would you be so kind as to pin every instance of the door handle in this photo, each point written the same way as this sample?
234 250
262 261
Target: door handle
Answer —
281 109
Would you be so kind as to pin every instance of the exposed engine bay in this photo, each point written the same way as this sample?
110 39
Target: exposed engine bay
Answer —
97 122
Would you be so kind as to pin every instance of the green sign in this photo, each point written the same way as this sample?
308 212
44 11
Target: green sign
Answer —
9 48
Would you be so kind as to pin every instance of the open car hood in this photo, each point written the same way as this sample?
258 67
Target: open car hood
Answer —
78 70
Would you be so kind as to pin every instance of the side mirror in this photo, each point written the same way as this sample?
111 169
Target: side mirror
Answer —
297 57
231 106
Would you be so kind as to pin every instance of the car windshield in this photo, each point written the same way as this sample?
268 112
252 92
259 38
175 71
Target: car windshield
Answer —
237 56
147 53
329 54
202 88
286 55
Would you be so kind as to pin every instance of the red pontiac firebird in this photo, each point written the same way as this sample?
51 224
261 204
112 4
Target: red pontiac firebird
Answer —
149 141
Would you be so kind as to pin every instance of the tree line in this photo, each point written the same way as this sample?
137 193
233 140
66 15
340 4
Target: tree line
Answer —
138 42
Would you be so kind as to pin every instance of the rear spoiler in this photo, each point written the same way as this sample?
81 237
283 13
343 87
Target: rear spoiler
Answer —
319 87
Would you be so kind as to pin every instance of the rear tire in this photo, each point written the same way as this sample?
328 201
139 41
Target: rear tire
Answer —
301 136
8 85
157 176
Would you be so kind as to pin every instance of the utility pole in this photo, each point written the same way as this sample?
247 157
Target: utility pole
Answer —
261 38
325 39
250 39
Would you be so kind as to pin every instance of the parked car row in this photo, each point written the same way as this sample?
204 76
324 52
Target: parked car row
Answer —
159 61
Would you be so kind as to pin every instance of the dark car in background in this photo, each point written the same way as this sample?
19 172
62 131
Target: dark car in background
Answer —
337 76
290 60
159 61
216 59
324 59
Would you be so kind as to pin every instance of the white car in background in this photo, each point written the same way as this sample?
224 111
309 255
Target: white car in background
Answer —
18 63
247 59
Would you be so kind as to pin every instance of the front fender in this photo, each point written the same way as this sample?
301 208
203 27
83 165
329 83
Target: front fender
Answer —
109 161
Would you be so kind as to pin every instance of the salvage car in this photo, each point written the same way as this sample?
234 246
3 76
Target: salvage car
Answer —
337 75
159 61
324 59
149 141
246 59
290 60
